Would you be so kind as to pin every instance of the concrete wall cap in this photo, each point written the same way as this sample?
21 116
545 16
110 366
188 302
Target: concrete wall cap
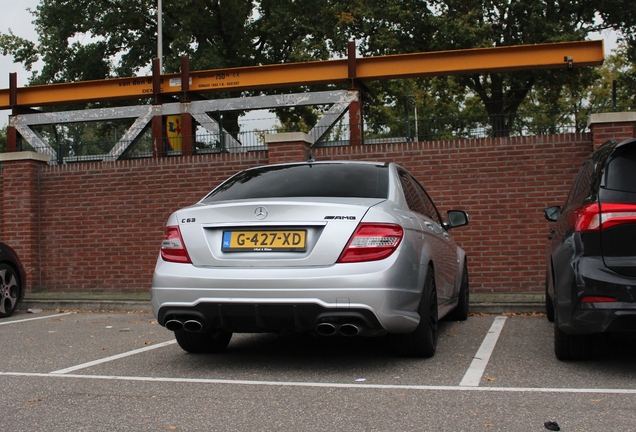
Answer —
24 155
288 137
613 117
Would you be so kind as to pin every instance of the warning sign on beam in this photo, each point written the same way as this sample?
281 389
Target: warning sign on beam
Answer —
173 132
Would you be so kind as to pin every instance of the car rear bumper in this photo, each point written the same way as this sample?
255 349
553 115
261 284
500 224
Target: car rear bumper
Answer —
592 278
621 317
377 297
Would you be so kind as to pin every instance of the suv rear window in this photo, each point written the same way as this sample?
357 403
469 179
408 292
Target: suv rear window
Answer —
621 170
306 180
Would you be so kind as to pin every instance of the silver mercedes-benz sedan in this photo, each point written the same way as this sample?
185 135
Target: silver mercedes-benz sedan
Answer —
329 248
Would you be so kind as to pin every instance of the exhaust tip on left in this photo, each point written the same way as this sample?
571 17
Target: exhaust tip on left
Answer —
174 325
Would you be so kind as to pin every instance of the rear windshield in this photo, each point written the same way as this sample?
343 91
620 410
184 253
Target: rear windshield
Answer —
621 170
307 180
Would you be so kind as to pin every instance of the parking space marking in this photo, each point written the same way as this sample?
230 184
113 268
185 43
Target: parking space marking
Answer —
111 358
475 371
325 385
37 318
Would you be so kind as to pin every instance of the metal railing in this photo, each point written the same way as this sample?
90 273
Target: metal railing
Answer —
430 129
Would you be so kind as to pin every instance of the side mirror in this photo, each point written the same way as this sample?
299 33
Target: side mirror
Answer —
455 218
552 213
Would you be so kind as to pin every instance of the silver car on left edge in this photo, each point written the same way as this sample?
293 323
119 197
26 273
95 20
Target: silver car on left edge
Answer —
330 248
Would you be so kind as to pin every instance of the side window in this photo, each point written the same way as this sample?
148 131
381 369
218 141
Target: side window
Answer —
425 202
581 186
409 191
417 198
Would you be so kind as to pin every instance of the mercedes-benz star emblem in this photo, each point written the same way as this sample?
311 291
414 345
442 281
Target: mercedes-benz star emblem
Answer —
260 213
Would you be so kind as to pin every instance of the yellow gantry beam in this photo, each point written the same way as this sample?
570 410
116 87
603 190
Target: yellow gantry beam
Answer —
437 63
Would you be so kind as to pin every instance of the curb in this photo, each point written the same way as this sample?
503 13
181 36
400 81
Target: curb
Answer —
86 305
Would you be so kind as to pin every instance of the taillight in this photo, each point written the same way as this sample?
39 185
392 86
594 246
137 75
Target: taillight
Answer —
598 299
586 218
616 214
172 247
592 217
372 242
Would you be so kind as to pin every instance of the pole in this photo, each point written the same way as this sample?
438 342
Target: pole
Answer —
407 121
417 132
160 36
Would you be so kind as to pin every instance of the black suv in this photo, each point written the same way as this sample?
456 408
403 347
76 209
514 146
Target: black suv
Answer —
591 258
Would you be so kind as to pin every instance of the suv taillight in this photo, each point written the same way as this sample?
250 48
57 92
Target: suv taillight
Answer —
617 214
172 247
372 242
592 217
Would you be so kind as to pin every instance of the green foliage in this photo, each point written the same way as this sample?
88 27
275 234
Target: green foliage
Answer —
96 39
3 139
621 15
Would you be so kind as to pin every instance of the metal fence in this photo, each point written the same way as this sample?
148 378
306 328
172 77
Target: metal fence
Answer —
92 148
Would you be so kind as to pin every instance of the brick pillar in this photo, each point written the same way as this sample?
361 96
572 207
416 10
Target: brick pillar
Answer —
288 147
355 123
605 126
21 209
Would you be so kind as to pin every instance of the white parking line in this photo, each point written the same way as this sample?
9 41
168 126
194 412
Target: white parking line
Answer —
475 371
326 384
111 358
37 318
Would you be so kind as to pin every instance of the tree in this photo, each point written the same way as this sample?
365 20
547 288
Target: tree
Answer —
95 39
3 139
621 15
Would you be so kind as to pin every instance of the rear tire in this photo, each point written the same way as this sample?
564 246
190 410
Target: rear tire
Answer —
572 347
422 342
205 342
460 313
549 303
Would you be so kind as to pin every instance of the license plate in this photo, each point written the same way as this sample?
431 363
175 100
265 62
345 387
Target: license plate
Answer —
264 241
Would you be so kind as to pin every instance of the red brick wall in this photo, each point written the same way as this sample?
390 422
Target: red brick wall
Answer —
20 213
604 132
101 223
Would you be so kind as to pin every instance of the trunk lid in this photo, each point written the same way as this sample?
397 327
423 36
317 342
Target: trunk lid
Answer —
618 210
281 232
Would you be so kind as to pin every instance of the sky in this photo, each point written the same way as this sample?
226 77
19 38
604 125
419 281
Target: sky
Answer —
15 16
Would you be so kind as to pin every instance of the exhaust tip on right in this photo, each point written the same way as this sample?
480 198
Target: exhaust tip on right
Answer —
349 330
193 326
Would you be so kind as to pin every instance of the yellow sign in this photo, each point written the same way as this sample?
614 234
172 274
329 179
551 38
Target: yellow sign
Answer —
173 132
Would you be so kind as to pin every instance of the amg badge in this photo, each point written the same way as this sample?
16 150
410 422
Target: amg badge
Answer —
340 217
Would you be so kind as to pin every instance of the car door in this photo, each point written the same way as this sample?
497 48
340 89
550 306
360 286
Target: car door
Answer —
437 241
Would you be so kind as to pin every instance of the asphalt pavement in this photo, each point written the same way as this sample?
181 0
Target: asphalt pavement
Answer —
495 303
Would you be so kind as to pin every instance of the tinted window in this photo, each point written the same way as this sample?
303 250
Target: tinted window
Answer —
581 186
307 180
417 198
409 191
621 170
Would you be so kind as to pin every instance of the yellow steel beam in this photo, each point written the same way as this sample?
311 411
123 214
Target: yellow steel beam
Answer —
438 63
